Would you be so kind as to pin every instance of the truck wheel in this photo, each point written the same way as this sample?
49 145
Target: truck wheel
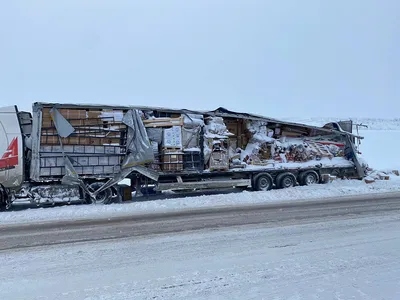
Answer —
309 178
104 197
285 180
262 182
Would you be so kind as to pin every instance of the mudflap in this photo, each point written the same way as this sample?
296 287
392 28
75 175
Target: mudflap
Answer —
5 202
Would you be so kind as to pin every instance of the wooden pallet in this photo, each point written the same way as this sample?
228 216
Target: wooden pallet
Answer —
163 122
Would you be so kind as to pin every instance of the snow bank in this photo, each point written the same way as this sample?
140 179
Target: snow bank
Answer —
372 123
334 189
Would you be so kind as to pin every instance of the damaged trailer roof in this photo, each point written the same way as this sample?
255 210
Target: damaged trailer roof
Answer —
219 112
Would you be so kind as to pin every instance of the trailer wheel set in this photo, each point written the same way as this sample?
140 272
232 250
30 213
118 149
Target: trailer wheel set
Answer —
265 181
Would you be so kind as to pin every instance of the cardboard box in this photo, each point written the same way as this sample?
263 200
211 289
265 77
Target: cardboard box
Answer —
49 140
46 123
94 114
77 114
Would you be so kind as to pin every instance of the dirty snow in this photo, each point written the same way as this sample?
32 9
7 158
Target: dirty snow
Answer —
334 189
341 259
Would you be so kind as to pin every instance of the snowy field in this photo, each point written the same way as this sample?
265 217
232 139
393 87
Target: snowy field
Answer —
380 142
346 259
374 146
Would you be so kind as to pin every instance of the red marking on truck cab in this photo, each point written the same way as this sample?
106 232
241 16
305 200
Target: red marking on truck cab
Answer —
10 157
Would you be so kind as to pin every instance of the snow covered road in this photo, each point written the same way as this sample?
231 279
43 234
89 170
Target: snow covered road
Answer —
336 189
350 255
63 232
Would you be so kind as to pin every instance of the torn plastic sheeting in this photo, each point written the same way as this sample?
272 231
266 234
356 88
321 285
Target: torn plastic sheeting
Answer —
155 134
190 137
139 149
139 152
64 128
192 120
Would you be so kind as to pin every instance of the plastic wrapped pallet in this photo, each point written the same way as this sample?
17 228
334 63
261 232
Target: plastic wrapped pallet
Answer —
190 137
193 121
155 134
172 137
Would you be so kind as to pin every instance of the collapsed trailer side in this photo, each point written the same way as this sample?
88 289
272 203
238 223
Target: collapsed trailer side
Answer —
235 176
82 151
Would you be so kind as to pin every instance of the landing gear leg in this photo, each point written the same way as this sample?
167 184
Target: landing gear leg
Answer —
138 187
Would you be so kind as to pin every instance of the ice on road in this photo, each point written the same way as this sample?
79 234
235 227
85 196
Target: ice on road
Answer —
346 259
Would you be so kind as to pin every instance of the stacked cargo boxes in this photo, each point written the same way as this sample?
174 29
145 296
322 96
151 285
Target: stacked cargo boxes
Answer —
172 155
96 146
165 135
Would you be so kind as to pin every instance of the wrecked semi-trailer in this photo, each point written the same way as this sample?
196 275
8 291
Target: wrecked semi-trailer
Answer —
81 152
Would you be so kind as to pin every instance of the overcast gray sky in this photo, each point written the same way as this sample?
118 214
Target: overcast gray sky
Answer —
279 58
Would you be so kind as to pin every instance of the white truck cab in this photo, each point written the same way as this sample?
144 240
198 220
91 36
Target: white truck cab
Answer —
11 149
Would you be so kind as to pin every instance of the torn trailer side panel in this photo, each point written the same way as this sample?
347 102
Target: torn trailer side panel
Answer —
80 145
178 141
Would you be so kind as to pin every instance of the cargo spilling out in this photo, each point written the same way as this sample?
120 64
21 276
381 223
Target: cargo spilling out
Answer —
72 152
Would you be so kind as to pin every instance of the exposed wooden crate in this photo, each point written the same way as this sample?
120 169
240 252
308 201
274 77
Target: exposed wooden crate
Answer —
172 160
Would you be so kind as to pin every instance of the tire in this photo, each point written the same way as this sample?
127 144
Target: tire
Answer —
104 197
309 178
285 180
262 182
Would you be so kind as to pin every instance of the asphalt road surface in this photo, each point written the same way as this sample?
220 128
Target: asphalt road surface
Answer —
270 215
340 249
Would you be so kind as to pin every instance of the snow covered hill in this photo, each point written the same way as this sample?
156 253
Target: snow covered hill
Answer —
372 123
